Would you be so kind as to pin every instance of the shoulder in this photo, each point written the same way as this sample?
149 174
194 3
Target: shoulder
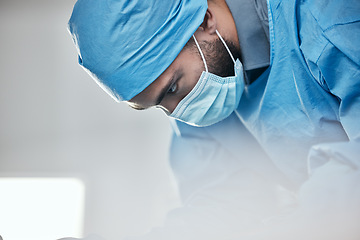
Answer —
330 13
333 22
329 33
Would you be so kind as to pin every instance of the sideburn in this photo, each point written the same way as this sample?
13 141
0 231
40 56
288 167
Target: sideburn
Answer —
217 57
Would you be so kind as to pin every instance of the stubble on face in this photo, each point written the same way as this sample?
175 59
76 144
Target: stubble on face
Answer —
217 57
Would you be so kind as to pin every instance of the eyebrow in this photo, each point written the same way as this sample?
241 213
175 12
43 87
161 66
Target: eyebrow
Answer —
166 88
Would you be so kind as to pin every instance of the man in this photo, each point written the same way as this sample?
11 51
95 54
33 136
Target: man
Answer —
264 99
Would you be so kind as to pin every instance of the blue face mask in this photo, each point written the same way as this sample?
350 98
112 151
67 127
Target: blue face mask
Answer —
213 98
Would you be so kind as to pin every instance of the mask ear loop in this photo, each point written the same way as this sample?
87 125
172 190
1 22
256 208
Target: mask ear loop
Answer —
227 48
202 55
232 57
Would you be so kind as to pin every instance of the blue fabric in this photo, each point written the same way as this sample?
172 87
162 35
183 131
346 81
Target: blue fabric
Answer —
123 54
253 32
212 99
311 92
222 197
298 123
303 112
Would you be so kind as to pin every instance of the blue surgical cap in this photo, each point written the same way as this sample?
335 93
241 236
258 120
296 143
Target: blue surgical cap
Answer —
126 44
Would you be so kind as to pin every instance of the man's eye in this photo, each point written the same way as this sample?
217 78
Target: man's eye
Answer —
173 88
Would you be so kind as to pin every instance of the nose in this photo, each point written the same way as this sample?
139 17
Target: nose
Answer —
167 112
168 106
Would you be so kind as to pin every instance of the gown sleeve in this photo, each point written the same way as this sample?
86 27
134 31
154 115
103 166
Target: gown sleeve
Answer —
221 197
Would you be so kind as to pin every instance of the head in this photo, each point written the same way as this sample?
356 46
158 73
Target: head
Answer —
183 73
142 52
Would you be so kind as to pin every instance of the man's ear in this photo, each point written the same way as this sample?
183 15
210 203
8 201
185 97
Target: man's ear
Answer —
209 24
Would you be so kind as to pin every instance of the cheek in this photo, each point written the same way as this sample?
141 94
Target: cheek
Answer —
191 67
185 85
190 82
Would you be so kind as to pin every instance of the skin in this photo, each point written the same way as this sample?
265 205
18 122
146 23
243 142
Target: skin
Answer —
182 75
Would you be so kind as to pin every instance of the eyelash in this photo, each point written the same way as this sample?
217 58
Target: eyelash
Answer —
173 88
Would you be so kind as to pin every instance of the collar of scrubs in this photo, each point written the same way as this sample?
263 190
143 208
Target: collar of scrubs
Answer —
252 25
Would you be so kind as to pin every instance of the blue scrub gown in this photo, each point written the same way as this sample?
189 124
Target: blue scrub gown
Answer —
293 142
311 92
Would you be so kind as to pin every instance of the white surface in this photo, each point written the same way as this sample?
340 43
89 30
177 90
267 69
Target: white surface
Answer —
41 208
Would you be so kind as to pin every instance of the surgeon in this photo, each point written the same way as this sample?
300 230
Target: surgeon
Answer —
265 93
